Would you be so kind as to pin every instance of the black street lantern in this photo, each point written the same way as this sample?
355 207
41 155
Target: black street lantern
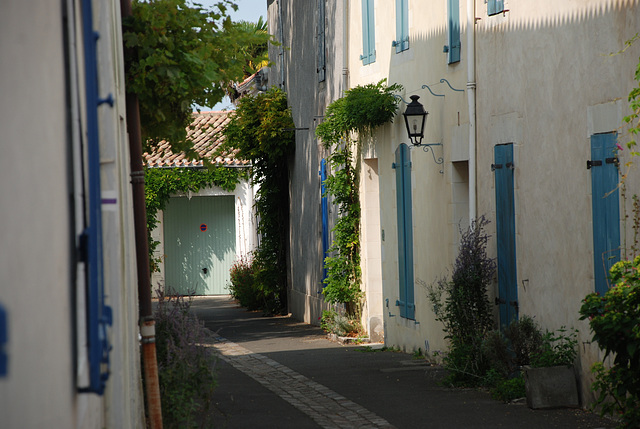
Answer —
415 117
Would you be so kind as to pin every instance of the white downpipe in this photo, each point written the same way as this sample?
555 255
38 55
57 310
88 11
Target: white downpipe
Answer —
471 96
345 45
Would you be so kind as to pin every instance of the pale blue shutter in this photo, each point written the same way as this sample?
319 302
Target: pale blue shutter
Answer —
494 7
454 30
402 166
368 33
605 207
402 26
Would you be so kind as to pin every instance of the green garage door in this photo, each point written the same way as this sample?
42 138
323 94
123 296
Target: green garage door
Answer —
200 244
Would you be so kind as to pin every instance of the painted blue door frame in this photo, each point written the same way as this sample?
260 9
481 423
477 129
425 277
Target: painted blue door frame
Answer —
605 202
506 233
402 166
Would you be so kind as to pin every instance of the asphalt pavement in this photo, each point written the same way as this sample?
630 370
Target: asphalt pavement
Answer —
276 372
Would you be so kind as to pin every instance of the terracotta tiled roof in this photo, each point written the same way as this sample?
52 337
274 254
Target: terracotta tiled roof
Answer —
206 137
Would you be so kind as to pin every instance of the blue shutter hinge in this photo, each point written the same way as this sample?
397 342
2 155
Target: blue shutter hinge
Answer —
593 164
109 100
445 49
363 57
495 167
393 165
4 339
390 315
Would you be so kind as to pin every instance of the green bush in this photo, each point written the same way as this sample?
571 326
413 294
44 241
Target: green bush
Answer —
242 283
186 369
339 324
613 319
466 312
509 389
558 348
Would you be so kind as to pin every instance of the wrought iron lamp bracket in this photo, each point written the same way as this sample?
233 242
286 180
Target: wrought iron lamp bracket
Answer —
428 147
441 81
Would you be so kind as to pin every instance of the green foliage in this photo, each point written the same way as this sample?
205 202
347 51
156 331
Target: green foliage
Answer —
186 369
509 389
466 312
256 52
242 284
633 119
613 319
339 324
179 54
509 349
361 110
558 348
257 132
162 183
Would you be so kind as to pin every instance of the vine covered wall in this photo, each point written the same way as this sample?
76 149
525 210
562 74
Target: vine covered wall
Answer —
347 121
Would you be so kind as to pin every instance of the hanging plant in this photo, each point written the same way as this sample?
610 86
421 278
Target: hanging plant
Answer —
357 114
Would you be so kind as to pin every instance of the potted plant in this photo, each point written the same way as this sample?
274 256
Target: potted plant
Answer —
550 380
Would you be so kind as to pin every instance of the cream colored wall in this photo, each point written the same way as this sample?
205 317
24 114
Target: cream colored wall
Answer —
435 213
546 82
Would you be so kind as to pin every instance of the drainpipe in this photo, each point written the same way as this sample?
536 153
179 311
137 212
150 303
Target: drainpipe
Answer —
345 45
281 83
147 323
471 96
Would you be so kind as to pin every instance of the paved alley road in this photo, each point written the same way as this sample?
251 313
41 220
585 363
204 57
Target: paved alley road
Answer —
280 373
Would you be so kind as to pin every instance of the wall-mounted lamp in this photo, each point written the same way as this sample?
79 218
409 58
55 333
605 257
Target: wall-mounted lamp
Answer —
415 117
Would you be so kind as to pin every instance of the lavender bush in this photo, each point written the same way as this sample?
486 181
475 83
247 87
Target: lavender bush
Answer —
186 369
463 306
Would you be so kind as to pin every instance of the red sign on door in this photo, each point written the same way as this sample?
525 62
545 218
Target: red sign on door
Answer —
203 227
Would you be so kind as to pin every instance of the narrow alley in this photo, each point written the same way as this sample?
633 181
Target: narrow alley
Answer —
276 372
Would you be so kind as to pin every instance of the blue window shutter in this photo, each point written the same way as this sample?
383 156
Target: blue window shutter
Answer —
325 217
605 208
454 30
491 7
321 41
368 33
494 7
4 339
406 300
99 316
506 233
402 25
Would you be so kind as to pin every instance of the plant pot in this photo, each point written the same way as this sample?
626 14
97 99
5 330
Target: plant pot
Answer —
551 387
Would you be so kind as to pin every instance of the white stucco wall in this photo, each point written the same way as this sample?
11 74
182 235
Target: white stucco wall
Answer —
546 83
436 214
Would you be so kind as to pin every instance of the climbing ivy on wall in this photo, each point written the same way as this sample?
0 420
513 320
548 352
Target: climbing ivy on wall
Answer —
162 183
260 129
347 121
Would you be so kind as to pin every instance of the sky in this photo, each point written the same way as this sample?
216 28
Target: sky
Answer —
248 10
